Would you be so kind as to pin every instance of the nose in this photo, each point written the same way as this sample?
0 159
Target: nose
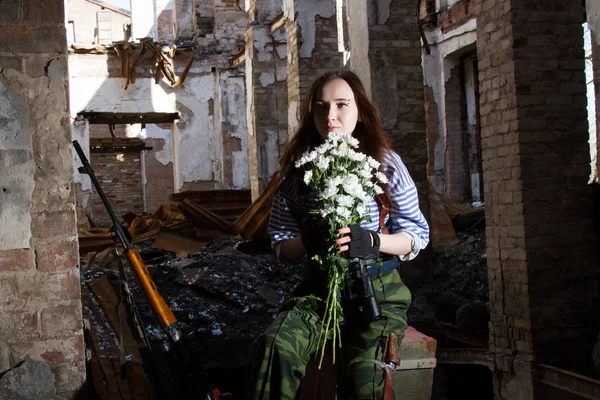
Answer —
331 115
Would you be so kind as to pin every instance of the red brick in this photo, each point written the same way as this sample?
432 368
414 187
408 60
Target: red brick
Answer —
57 255
39 39
62 319
21 322
52 224
67 350
17 259
47 11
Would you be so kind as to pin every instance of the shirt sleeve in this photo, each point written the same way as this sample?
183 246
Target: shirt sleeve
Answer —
405 216
283 223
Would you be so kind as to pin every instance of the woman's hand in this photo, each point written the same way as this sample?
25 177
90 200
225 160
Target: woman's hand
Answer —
358 242
397 244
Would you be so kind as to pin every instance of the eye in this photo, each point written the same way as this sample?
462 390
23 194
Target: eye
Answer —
342 105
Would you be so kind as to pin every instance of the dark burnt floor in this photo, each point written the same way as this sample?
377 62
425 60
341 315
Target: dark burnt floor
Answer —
227 293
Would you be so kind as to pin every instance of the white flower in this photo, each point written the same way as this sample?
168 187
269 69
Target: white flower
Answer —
364 173
323 162
343 212
326 211
377 189
353 187
330 190
308 176
351 141
356 156
373 163
381 177
345 200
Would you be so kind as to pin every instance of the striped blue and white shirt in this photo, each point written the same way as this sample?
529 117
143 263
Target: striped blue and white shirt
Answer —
404 214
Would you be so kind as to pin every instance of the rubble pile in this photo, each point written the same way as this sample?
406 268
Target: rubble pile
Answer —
215 269
454 303
226 290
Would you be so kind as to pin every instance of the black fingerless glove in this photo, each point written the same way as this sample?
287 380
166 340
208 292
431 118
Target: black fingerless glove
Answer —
315 236
360 245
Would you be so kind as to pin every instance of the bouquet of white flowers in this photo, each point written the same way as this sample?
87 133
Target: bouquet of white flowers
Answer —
343 182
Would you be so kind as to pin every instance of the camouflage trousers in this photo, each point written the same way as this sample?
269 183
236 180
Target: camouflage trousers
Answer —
282 352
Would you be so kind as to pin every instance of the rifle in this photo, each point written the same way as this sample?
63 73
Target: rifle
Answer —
158 305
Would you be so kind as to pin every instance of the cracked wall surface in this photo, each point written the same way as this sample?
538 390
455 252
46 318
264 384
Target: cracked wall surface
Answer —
40 308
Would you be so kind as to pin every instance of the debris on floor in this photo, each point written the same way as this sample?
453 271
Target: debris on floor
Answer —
211 261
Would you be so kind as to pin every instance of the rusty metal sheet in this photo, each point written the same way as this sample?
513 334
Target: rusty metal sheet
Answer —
253 222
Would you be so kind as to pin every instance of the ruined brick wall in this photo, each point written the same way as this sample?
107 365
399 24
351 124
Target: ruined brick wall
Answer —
596 67
540 249
397 84
457 174
165 26
40 306
293 76
120 177
312 38
266 89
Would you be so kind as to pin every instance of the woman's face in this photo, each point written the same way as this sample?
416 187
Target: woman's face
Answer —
335 109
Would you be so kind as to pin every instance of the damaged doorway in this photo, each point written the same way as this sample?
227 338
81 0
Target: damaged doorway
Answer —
464 174
132 156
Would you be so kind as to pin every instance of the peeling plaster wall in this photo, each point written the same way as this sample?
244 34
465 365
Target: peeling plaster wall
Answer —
436 72
358 32
233 93
306 12
198 131
16 180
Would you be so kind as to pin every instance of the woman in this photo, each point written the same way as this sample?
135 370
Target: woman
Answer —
337 102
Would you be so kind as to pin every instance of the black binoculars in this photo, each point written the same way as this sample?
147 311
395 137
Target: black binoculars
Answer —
358 292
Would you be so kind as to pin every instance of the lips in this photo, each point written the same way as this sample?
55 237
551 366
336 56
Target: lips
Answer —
332 128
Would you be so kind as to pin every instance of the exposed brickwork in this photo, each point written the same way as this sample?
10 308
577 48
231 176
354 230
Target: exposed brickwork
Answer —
165 26
121 180
56 255
596 65
51 225
397 86
293 76
457 176
268 105
302 71
540 248
17 259
456 15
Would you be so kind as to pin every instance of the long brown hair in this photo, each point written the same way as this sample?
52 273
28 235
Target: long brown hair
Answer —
369 131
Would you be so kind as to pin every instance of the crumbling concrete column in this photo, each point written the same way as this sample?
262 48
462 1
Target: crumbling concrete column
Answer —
313 35
40 305
540 243
266 92
397 84
593 17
